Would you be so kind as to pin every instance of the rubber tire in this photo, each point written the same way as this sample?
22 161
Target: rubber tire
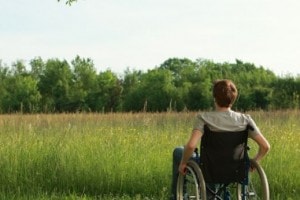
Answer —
196 172
263 181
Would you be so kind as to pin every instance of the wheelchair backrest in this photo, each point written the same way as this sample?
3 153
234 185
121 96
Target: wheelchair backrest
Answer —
223 156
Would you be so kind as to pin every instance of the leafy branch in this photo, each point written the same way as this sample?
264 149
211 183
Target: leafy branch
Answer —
68 2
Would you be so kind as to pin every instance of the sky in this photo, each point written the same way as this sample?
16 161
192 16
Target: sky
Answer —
142 34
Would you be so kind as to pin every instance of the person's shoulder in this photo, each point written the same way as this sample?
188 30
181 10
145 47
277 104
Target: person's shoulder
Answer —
207 114
241 115
247 116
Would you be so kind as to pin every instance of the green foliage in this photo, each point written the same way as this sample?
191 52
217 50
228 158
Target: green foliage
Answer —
154 93
54 86
84 84
37 67
176 85
181 69
107 96
19 90
68 2
286 93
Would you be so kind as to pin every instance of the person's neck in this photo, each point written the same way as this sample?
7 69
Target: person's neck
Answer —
222 109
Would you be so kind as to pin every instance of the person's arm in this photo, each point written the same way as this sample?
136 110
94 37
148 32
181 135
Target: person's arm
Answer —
264 146
189 149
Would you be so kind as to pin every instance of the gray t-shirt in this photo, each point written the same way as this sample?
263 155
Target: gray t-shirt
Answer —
226 121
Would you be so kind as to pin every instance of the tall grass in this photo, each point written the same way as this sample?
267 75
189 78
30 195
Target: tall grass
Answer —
121 156
282 165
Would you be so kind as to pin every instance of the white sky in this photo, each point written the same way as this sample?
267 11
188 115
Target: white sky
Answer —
142 34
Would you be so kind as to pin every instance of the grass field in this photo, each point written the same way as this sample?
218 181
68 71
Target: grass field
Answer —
122 156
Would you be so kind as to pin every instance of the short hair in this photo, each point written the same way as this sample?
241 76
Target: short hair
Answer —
224 92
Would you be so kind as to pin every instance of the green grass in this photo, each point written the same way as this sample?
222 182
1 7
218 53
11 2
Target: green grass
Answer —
121 156
282 164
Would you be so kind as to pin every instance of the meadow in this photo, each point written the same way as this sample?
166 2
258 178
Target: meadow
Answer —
122 155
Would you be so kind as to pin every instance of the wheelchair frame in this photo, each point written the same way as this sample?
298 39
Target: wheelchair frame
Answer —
192 186
253 186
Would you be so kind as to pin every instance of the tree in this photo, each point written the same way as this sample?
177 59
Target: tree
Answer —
155 92
130 83
181 69
23 95
37 67
84 83
19 91
69 2
4 73
200 96
19 68
107 95
54 86
286 93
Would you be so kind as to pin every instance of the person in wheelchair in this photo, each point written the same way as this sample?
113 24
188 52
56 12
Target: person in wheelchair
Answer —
223 119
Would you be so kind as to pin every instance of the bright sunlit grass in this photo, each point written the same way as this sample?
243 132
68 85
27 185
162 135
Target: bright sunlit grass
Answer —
121 156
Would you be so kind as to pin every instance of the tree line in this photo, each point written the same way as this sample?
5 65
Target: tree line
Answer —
178 84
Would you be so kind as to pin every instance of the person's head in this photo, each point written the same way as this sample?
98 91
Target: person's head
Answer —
224 93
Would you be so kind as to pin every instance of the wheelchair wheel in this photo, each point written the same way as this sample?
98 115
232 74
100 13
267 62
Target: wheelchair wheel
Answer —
258 187
191 185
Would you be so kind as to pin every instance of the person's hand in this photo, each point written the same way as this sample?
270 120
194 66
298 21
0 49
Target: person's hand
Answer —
182 168
252 168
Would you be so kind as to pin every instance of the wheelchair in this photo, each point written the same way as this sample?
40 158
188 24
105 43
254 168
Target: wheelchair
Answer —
223 171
